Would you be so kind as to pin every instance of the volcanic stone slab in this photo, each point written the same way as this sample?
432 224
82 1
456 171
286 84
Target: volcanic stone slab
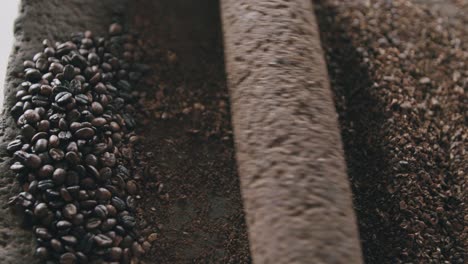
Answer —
296 192
54 20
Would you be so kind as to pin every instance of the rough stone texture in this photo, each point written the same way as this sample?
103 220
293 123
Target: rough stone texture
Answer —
55 20
296 192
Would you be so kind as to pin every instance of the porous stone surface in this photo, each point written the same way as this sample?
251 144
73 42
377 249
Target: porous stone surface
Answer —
38 20
295 189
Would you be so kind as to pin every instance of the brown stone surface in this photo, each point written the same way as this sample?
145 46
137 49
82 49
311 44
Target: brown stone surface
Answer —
37 20
290 158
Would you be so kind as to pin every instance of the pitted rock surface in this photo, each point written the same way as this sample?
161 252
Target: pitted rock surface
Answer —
54 20
295 188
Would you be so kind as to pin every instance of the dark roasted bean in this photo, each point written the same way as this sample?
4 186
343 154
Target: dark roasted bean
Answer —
68 72
33 75
41 210
93 223
70 211
56 154
68 258
63 97
84 133
31 116
103 240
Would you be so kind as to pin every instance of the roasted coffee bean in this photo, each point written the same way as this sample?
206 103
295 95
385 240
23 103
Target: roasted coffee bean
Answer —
96 108
62 225
99 122
56 154
82 99
41 210
43 233
101 211
45 184
70 211
42 253
108 224
128 221
59 176
34 88
63 97
103 194
115 253
68 72
108 159
68 258
103 240
84 133
79 61
91 160
118 203
56 68
56 245
45 171
65 194
73 158
93 223
33 75
31 116
14 145
69 240
33 161
42 64
54 141
41 145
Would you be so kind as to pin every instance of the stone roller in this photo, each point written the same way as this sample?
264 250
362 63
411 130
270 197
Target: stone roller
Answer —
296 192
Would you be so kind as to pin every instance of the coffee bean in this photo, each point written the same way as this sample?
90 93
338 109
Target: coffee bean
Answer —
82 99
108 159
95 79
31 116
84 133
62 225
56 154
59 176
65 194
73 158
33 161
131 187
101 211
41 210
69 240
128 221
42 64
68 72
43 233
54 141
68 258
41 145
45 171
103 194
118 203
103 240
115 253
14 145
70 211
79 61
56 68
56 245
33 75
93 223
96 108
42 253
63 97
108 224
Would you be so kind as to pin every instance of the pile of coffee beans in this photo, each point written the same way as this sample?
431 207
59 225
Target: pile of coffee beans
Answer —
74 110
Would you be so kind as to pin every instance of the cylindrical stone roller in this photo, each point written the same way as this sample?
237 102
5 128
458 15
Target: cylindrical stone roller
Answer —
293 175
